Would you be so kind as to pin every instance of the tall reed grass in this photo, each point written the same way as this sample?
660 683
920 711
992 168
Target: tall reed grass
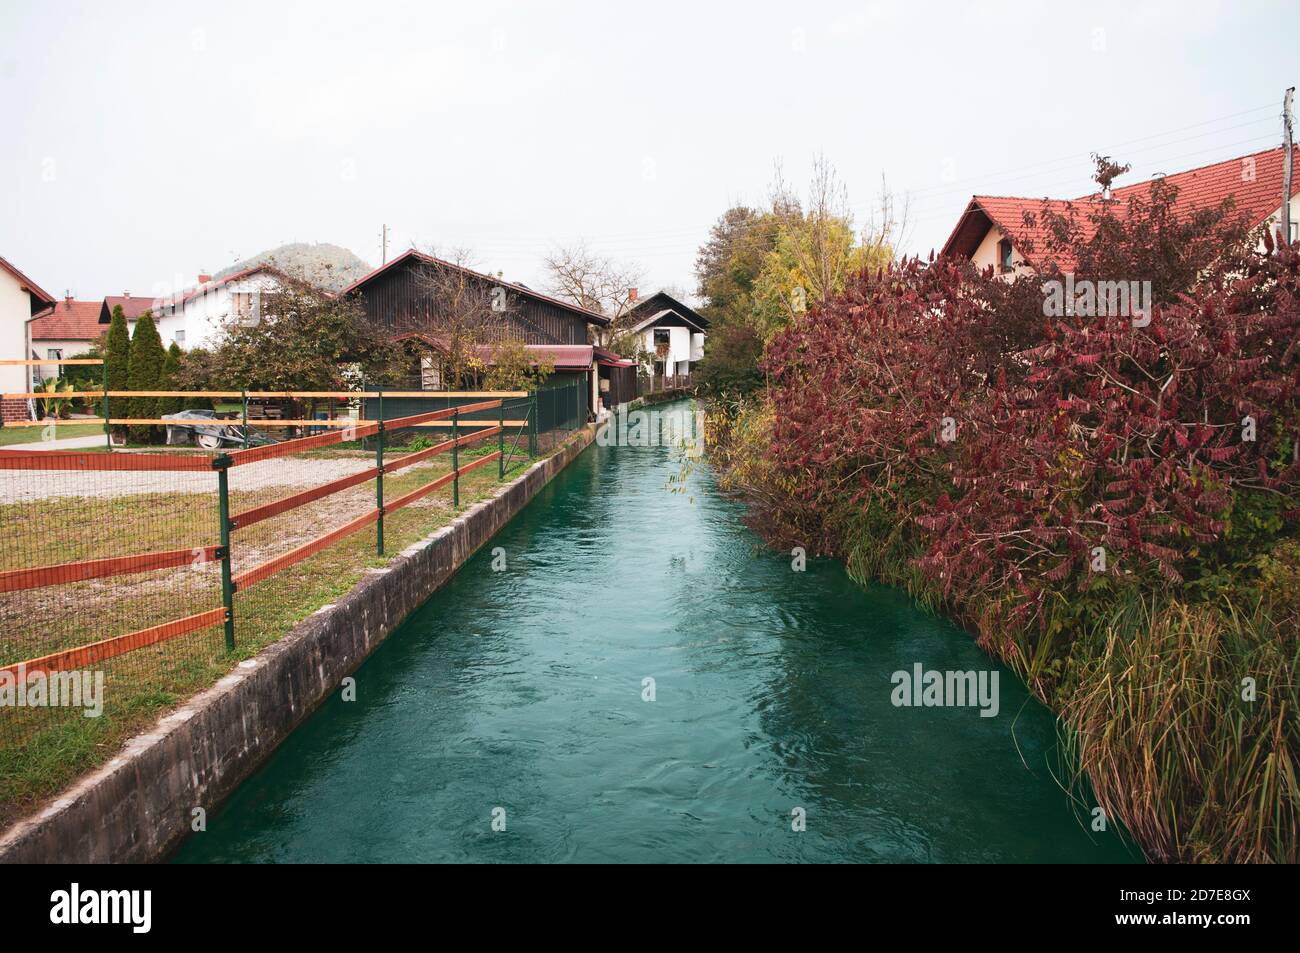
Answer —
1181 720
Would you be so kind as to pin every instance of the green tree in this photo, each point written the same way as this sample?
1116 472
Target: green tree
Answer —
144 369
759 269
513 368
196 373
169 380
731 260
117 357
303 340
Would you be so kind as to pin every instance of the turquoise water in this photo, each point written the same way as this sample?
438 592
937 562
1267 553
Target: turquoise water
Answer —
519 696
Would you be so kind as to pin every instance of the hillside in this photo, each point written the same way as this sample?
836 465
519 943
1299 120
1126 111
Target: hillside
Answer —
329 266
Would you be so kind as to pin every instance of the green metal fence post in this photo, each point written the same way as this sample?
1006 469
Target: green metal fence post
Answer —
455 459
222 465
532 423
245 418
501 443
108 431
379 478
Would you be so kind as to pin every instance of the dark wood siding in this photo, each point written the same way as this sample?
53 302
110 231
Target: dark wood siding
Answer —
396 300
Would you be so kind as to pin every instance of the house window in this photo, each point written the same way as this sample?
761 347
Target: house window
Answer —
248 307
662 337
54 354
1004 256
179 338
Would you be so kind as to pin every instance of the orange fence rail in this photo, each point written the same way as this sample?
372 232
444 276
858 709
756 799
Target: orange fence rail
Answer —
37 577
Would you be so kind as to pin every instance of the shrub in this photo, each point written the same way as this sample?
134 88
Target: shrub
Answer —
1031 473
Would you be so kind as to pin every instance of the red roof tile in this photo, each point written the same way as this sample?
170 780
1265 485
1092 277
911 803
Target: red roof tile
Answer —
1254 182
68 321
132 306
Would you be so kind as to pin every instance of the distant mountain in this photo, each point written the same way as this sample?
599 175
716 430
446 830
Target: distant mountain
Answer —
327 266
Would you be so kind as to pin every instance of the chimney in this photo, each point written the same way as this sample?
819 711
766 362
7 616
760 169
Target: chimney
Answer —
67 298
126 294
631 296
204 279
1105 193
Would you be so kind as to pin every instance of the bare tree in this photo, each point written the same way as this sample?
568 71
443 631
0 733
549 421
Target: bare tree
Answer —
818 240
889 226
592 281
463 309
816 235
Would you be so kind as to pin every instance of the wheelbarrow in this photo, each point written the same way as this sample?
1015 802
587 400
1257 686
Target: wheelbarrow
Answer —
212 432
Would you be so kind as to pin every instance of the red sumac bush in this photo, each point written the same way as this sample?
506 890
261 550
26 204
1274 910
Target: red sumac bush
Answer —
1031 454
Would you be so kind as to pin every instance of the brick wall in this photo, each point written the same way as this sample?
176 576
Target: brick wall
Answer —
15 409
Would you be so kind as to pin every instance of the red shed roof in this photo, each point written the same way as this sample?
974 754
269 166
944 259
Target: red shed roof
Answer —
610 359
68 320
567 357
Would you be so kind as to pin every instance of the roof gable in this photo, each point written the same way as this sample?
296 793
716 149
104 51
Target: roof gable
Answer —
668 317
1253 182
662 300
413 256
40 298
131 305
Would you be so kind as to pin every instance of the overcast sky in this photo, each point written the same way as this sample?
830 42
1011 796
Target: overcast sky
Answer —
145 142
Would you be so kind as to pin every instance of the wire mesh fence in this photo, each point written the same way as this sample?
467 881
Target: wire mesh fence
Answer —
128 580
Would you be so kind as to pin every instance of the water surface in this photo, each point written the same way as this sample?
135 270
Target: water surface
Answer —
523 692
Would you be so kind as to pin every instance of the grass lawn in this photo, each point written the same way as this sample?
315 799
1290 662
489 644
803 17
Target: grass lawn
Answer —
43 750
9 436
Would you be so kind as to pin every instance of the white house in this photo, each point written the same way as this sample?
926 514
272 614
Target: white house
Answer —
671 334
21 299
194 318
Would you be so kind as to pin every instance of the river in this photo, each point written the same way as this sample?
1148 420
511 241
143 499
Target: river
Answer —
511 718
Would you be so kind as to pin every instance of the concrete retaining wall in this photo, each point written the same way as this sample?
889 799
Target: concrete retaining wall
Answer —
139 805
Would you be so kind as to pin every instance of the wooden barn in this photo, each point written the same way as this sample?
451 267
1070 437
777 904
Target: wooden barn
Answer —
417 297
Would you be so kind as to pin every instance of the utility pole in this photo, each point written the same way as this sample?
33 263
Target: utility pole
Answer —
1287 162
385 251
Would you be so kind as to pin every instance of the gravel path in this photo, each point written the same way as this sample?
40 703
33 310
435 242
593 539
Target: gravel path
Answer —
23 486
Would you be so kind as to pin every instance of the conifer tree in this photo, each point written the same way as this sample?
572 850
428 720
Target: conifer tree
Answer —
116 363
143 370
167 381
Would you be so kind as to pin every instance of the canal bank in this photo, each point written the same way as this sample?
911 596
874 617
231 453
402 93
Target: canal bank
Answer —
166 780
628 674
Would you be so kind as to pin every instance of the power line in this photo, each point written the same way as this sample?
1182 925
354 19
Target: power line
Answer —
1074 157
663 243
